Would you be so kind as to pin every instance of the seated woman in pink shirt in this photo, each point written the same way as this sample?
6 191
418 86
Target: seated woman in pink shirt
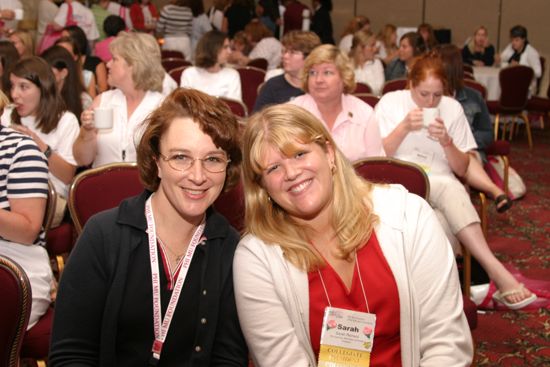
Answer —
327 79
112 25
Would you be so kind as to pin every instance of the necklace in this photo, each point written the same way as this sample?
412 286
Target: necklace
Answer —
165 247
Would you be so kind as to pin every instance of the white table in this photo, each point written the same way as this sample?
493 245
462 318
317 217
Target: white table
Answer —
488 76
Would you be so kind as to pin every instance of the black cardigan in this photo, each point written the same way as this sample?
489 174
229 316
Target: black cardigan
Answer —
91 291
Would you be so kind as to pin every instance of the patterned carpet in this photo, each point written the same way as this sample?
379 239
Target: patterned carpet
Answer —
521 237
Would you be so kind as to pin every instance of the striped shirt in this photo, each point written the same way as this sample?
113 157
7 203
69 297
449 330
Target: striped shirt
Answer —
175 21
23 171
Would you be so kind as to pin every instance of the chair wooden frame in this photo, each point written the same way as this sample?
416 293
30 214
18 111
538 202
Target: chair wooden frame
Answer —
83 176
50 208
25 301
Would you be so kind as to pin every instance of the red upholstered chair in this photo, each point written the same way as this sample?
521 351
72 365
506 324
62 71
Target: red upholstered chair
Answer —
412 176
15 310
514 84
477 86
393 85
368 98
259 63
173 62
102 188
469 76
468 68
164 54
175 73
36 342
540 106
362 88
237 107
251 78
230 204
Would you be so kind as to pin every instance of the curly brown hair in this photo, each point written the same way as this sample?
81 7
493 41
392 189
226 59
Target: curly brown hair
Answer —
210 113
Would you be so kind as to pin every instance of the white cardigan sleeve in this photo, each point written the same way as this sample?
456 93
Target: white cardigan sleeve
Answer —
262 302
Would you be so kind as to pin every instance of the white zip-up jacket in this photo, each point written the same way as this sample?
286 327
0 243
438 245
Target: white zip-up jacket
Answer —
272 295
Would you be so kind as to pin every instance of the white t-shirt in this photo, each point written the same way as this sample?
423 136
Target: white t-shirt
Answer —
371 73
270 49
123 12
60 140
417 147
119 143
224 83
345 43
168 84
83 17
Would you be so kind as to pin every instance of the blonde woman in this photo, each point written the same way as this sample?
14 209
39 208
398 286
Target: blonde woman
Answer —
312 221
387 43
136 74
479 51
368 69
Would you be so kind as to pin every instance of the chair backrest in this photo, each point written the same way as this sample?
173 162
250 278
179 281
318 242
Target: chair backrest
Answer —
368 98
477 86
175 73
393 85
469 76
237 107
259 63
173 62
514 87
164 54
251 78
362 88
230 204
15 310
102 188
392 170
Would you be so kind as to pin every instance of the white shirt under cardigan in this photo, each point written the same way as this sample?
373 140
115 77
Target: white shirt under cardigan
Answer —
60 140
224 83
272 295
119 143
371 73
417 147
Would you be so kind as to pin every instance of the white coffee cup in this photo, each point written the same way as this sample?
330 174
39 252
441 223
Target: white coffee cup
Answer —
429 115
103 118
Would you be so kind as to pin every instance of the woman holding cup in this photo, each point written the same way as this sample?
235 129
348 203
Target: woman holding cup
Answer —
40 112
136 74
441 145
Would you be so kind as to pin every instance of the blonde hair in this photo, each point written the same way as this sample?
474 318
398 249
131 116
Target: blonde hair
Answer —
360 40
4 101
332 55
282 126
385 36
142 52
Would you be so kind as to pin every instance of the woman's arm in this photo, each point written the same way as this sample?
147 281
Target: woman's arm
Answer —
265 322
458 160
85 145
413 121
92 91
22 223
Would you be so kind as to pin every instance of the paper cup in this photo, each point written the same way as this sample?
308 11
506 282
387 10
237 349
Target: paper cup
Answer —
103 118
429 115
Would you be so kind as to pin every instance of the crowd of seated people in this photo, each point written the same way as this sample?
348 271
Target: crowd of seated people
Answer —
186 144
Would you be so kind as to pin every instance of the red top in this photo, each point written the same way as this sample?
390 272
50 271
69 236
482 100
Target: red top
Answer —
382 296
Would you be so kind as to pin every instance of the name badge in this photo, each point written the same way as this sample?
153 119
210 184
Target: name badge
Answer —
347 338
424 159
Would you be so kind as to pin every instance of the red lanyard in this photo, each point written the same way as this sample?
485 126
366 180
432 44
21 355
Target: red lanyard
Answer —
161 326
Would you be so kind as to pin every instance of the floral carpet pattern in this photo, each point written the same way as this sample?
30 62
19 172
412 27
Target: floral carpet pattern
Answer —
521 237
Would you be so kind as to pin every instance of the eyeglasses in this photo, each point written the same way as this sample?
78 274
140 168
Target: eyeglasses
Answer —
214 163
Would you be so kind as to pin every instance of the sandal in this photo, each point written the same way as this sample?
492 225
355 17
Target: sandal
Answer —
503 199
501 298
